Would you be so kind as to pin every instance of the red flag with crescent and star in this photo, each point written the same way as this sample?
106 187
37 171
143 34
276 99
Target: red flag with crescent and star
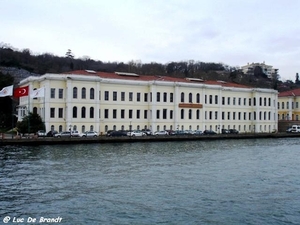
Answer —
21 91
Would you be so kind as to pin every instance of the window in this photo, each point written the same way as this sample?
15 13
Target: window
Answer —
83 112
265 101
158 96
254 101
122 96
216 115
182 114
60 112
249 101
165 97
165 113
130 96
171 114
157 114
52 112
182 97
145 114
190 114
228 101
52 93
171 97
92 112
282 105
114 114
74 112
260 101
223 115
210 99
223 100
122 113
106 113
145 97
240 100
83 93
233 116
198 98
60 93
216 99
234 101
198 114
205 99
245 101
115 96
130 113
210 115
190 98
138 113
92 93
228 115
75 92
138 97
106 95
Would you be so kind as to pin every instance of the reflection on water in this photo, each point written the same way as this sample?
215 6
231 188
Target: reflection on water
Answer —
197 182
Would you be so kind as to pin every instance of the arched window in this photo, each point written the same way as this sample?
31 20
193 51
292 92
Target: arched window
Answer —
74 112
75 127
91 128
92 112
106 128
92 93
182 114
52 127
34 110
157 128
75 92
190 98
83 112
122 127
165 127
182 97
138 127
83 93
114 127
190 114
60 128
198 114
198 98
83 129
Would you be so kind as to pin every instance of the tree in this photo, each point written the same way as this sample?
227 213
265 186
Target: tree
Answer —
31 123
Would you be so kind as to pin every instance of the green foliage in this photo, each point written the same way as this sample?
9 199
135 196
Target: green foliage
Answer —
32 123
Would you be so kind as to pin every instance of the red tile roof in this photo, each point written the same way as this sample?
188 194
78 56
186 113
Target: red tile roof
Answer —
295 92
153 78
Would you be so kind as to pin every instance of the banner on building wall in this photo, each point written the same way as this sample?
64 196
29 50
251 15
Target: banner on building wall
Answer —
7 91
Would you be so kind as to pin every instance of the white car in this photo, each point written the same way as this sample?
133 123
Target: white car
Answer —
75 133
136 133
162 132
89 134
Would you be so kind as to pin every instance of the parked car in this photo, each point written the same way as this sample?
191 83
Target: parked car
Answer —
180 132
89 134
171 132
162 132
147 131
233 131
295 128
119 133
198 132
51 133
136 133
63 134
41 133
225 131
75 133
209 132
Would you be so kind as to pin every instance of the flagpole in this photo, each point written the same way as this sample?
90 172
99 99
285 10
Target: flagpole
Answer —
28 111
12 117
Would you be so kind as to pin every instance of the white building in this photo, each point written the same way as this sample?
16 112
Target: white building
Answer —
89 100
268 70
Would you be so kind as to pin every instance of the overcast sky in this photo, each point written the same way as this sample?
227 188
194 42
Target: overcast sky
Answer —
233 32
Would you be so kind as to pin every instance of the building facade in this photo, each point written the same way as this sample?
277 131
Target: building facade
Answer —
289 105
89 100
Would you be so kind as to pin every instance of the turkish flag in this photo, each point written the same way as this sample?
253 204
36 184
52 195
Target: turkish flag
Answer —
21 91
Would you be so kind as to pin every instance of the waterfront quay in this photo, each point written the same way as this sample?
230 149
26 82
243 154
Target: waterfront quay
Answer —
105 139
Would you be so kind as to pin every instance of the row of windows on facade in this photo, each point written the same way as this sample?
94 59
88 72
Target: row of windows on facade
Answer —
165 114
163 97
288 105
217 128
288 117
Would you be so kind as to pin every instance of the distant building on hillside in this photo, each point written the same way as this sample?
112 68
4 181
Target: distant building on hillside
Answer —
253 68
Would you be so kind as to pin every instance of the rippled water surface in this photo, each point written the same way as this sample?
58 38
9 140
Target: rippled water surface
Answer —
199 182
